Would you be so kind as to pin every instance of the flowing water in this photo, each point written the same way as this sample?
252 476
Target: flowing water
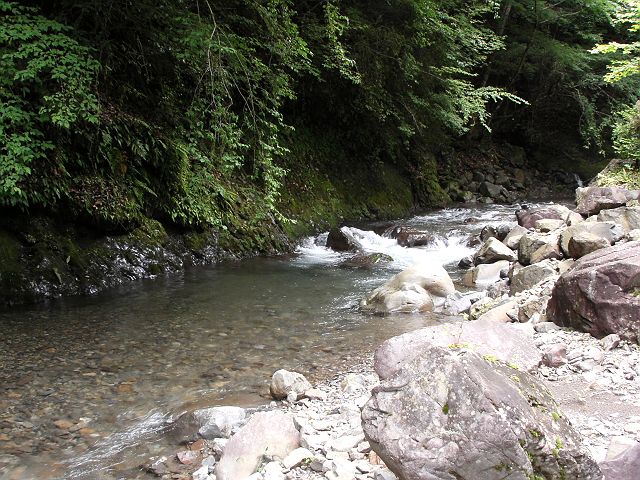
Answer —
88 385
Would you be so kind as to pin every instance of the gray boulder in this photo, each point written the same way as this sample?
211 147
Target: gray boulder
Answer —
485 274
491 190
418 288
530 276
451 414
591 200
583 243
284 382
528 217
272 434
625 466
508 342
218 422
492 251
627 217
535 247
599 295
513 237
610 231
546 225
499 231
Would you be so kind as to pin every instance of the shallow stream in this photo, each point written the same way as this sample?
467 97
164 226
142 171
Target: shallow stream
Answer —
88 384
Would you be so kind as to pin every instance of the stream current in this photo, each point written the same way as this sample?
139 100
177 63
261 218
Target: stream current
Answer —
88 384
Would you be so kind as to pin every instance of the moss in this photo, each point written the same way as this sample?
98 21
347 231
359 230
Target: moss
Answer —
155 269
445 409
490 358
10 267
620 173
196 241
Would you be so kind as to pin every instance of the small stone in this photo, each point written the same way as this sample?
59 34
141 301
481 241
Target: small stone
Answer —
273 471
546 327
610 342
284 382
346 443
633 427
297 457
63 424
201 474
187 457
315 394
385 474
555 356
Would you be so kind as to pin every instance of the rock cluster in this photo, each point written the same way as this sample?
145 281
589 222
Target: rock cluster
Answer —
537 377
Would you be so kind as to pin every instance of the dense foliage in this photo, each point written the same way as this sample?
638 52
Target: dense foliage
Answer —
625 64
188 111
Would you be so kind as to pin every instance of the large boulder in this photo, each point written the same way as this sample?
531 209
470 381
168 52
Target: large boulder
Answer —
584 243
512 240
591 200
418 288
528 217
491 190
531 275
610 231
535 247
341 240
485 275
271 434
599 294
625 466
508 342
492 251
627 217
451 414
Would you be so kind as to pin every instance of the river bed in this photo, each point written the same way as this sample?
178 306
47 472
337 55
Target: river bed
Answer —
88 384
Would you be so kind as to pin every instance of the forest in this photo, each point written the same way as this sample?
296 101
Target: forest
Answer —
205 114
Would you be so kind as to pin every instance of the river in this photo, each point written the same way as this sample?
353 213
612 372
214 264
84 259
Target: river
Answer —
88 384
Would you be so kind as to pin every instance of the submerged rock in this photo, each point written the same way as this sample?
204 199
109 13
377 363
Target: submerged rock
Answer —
367 261
450 414
418 288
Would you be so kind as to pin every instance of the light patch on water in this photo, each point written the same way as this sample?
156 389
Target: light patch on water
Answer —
108 452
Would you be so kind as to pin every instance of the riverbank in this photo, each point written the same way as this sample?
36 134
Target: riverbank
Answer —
52 255
603 408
